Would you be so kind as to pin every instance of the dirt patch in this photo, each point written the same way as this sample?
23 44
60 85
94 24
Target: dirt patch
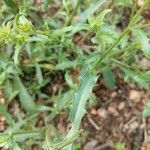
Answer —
117 117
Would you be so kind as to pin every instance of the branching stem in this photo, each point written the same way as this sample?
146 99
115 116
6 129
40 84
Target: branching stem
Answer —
126 30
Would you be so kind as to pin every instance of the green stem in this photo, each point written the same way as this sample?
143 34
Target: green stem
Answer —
126 30
121 63
72 14
133 9
134 18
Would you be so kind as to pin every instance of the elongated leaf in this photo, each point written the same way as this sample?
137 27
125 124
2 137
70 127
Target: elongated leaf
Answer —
16 57
66 64
142 78
13 7
7 116
15 146
96 22
146 112
83 92
28 134
2 77
94 7
69 80
4 139
127 3
26 100
39 75
24 97
10 90
103 14
143 39
46 3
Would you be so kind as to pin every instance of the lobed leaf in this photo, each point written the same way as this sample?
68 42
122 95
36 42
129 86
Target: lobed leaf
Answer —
88 12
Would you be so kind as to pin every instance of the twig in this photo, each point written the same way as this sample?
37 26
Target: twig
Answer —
93 123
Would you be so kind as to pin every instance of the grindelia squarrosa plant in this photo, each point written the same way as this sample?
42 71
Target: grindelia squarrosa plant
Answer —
36 44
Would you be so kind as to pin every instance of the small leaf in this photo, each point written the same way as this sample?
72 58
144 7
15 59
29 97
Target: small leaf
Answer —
28 134
12 5
4 138
16 57
46 3
96 22
2 77
10 90
143 39
7 116
88 12
66 64
127 3
109 77
39 75
69 80
24 97
63 99
15 146
146 112
120 146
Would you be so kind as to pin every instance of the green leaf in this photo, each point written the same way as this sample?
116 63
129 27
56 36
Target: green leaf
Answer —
46 3
4 138
88 12
2 77
7 116
127 3
39 75
146 112
120 146
142 78
144 40
96 22
10 90
63 99
17 56
109 77
69 80
28 134
15 146
25 24
24 97
26 100
134 74
66 64
82 94
12 5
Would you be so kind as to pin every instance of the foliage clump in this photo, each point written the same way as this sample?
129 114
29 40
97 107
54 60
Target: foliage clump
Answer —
37 42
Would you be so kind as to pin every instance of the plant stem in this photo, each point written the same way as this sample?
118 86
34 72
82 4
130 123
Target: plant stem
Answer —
72 14
133 9
99 60
126 30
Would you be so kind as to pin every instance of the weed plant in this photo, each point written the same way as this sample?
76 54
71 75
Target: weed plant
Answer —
37 40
